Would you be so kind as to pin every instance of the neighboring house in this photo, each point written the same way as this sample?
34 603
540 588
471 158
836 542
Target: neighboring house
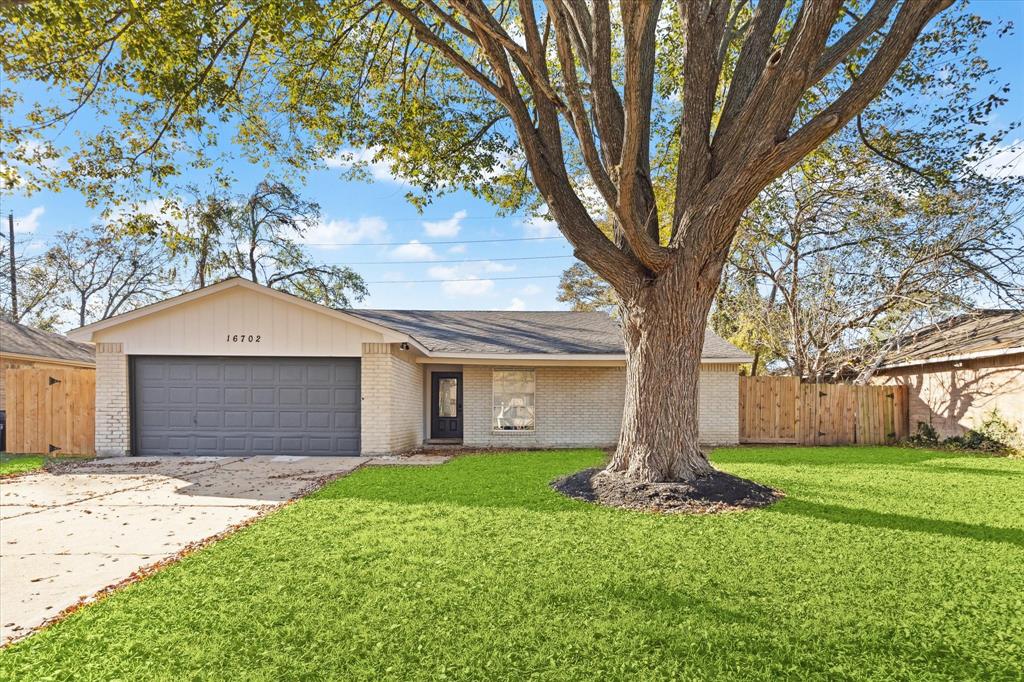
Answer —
237 368
25 347
961 369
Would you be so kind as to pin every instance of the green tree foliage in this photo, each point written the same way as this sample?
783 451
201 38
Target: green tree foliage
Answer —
584 290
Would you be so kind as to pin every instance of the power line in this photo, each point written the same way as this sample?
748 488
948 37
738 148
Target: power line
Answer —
456 260
47 239
416 241
471 279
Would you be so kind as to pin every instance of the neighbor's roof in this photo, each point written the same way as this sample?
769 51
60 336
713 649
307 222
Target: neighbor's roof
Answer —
977 334
547 332
21 340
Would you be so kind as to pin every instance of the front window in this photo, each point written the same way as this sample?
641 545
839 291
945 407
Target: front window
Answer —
513 406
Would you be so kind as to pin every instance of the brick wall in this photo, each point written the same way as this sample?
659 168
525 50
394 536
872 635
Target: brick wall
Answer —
112 414
574 406
582 406
719 416
955 398
392 400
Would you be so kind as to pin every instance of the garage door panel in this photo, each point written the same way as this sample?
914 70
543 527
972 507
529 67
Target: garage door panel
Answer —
291 373
346 420
263 445
264 396
237 373
239 406
203 373
318 396
236 420
318 420
179 395
237 396
177 418
209 419
291 396
291 420
264 420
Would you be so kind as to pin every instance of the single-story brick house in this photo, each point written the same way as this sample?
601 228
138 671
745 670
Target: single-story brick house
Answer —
959 370
238 368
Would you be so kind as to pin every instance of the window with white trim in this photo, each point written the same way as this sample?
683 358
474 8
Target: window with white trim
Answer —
512 401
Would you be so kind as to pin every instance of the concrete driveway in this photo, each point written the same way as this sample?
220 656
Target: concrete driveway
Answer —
66 536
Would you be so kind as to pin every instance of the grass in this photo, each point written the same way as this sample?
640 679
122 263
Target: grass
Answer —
879 564
19 464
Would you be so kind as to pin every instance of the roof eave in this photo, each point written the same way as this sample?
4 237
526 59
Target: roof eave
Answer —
47 358
994 353
612 359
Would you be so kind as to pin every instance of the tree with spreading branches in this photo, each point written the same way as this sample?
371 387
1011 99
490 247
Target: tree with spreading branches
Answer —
576 107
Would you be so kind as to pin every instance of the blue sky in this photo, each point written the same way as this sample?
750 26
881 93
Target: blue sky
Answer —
501 274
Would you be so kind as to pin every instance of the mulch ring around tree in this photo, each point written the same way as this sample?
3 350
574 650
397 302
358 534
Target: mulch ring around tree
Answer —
716 492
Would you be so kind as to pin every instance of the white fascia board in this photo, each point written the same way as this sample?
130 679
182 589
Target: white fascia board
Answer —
998 352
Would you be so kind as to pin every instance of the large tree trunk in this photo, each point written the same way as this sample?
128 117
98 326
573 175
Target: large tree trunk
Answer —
663 327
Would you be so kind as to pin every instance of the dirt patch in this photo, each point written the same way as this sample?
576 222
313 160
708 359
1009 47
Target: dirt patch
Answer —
716 492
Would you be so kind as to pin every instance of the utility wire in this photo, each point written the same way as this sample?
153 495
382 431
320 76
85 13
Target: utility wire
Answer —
471 279
403 243
456 260
453 241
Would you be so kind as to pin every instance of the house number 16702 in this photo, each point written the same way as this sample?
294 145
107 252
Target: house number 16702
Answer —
244 338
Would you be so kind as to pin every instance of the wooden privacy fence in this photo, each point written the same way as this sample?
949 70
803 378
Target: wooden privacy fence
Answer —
51 411
783 410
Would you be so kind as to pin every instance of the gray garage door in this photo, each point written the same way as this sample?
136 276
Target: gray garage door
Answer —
245 406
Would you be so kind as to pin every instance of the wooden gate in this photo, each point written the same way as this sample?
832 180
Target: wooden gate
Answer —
782 410
51 411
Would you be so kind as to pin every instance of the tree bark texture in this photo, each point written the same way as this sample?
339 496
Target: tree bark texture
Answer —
663 326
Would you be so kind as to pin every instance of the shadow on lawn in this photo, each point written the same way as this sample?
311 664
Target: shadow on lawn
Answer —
871 519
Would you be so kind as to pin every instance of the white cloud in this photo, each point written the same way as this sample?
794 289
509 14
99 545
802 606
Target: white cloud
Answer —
473 286
414 250
467 270
29 223
445 228
366 159
531 290
491 266
540 227
516 304
458 248
334 234
1006 161
467 279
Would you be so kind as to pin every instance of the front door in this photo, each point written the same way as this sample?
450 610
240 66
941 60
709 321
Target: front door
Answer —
446 405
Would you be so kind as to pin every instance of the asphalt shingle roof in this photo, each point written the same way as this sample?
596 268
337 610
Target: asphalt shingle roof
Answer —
977 332
17 338
540 332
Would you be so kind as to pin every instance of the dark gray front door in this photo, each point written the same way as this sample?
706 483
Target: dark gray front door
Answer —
245 406
446 405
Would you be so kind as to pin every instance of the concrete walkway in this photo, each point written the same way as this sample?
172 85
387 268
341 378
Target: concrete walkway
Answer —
66 536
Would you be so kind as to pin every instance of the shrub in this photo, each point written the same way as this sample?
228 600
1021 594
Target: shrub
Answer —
994 434
925 435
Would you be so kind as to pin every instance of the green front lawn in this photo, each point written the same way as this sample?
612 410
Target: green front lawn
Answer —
880 563
19 464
